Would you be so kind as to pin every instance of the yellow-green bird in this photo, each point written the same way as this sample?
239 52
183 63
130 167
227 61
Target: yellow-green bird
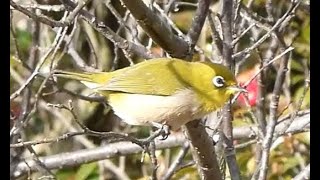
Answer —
163 91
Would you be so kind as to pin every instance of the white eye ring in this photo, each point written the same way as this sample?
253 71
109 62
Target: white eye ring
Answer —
218 81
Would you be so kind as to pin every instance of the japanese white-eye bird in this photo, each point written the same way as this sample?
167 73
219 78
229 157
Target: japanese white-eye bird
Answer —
165 91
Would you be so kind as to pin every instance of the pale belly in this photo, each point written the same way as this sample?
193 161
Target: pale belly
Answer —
138 109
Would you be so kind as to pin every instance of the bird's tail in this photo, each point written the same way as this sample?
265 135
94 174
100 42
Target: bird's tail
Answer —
91 80
88 77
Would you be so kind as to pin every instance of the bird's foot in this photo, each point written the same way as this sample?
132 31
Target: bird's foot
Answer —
163 130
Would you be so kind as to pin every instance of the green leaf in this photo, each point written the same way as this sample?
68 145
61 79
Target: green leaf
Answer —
306 32
65 174
306 99
24 39
15 62
86 170
290 163
186 173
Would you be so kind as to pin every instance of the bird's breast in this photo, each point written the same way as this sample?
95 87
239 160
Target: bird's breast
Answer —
174 110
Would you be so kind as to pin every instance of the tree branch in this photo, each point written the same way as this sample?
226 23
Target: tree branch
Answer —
64 160
227 136
203 151
304 174
157 29
267 141
300 124
118 41
198 22
40 18
177 162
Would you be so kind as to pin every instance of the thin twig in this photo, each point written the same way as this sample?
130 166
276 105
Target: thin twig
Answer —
26 96
269 10
155 26
304 174
285 52
151 150
40 18
267 141
40 165
267 35
38 67
236 40
44 7
123 148
246 144
120 20
47 140
63 160
299 104
13 33
111 35
76 10
177 162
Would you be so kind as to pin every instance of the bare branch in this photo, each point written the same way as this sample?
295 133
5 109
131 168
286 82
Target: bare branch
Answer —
177 162
158 29
268 34
216 40
304 174
111 35
227 136
267 141
203 151
198 22
44 7
40 18
300 124
64 160
74 13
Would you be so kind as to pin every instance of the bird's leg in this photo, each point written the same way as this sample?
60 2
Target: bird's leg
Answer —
164 129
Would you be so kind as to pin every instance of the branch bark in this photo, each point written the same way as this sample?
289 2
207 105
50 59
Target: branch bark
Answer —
267 141
198 22
227 136
300 124
120 42
203 151
39 18
304 174
157 29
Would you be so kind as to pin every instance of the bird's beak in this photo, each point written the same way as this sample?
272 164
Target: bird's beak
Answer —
236 88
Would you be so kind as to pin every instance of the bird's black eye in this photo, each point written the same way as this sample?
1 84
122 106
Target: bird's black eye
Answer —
218 81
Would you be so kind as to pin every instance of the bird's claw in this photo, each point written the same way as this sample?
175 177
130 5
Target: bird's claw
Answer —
164 131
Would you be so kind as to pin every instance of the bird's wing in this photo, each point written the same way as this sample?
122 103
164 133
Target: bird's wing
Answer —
158 78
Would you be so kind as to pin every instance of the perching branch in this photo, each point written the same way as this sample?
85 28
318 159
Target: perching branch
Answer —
300 124
203 151
64 160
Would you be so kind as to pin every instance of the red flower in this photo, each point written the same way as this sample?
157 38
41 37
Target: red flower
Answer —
252 87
